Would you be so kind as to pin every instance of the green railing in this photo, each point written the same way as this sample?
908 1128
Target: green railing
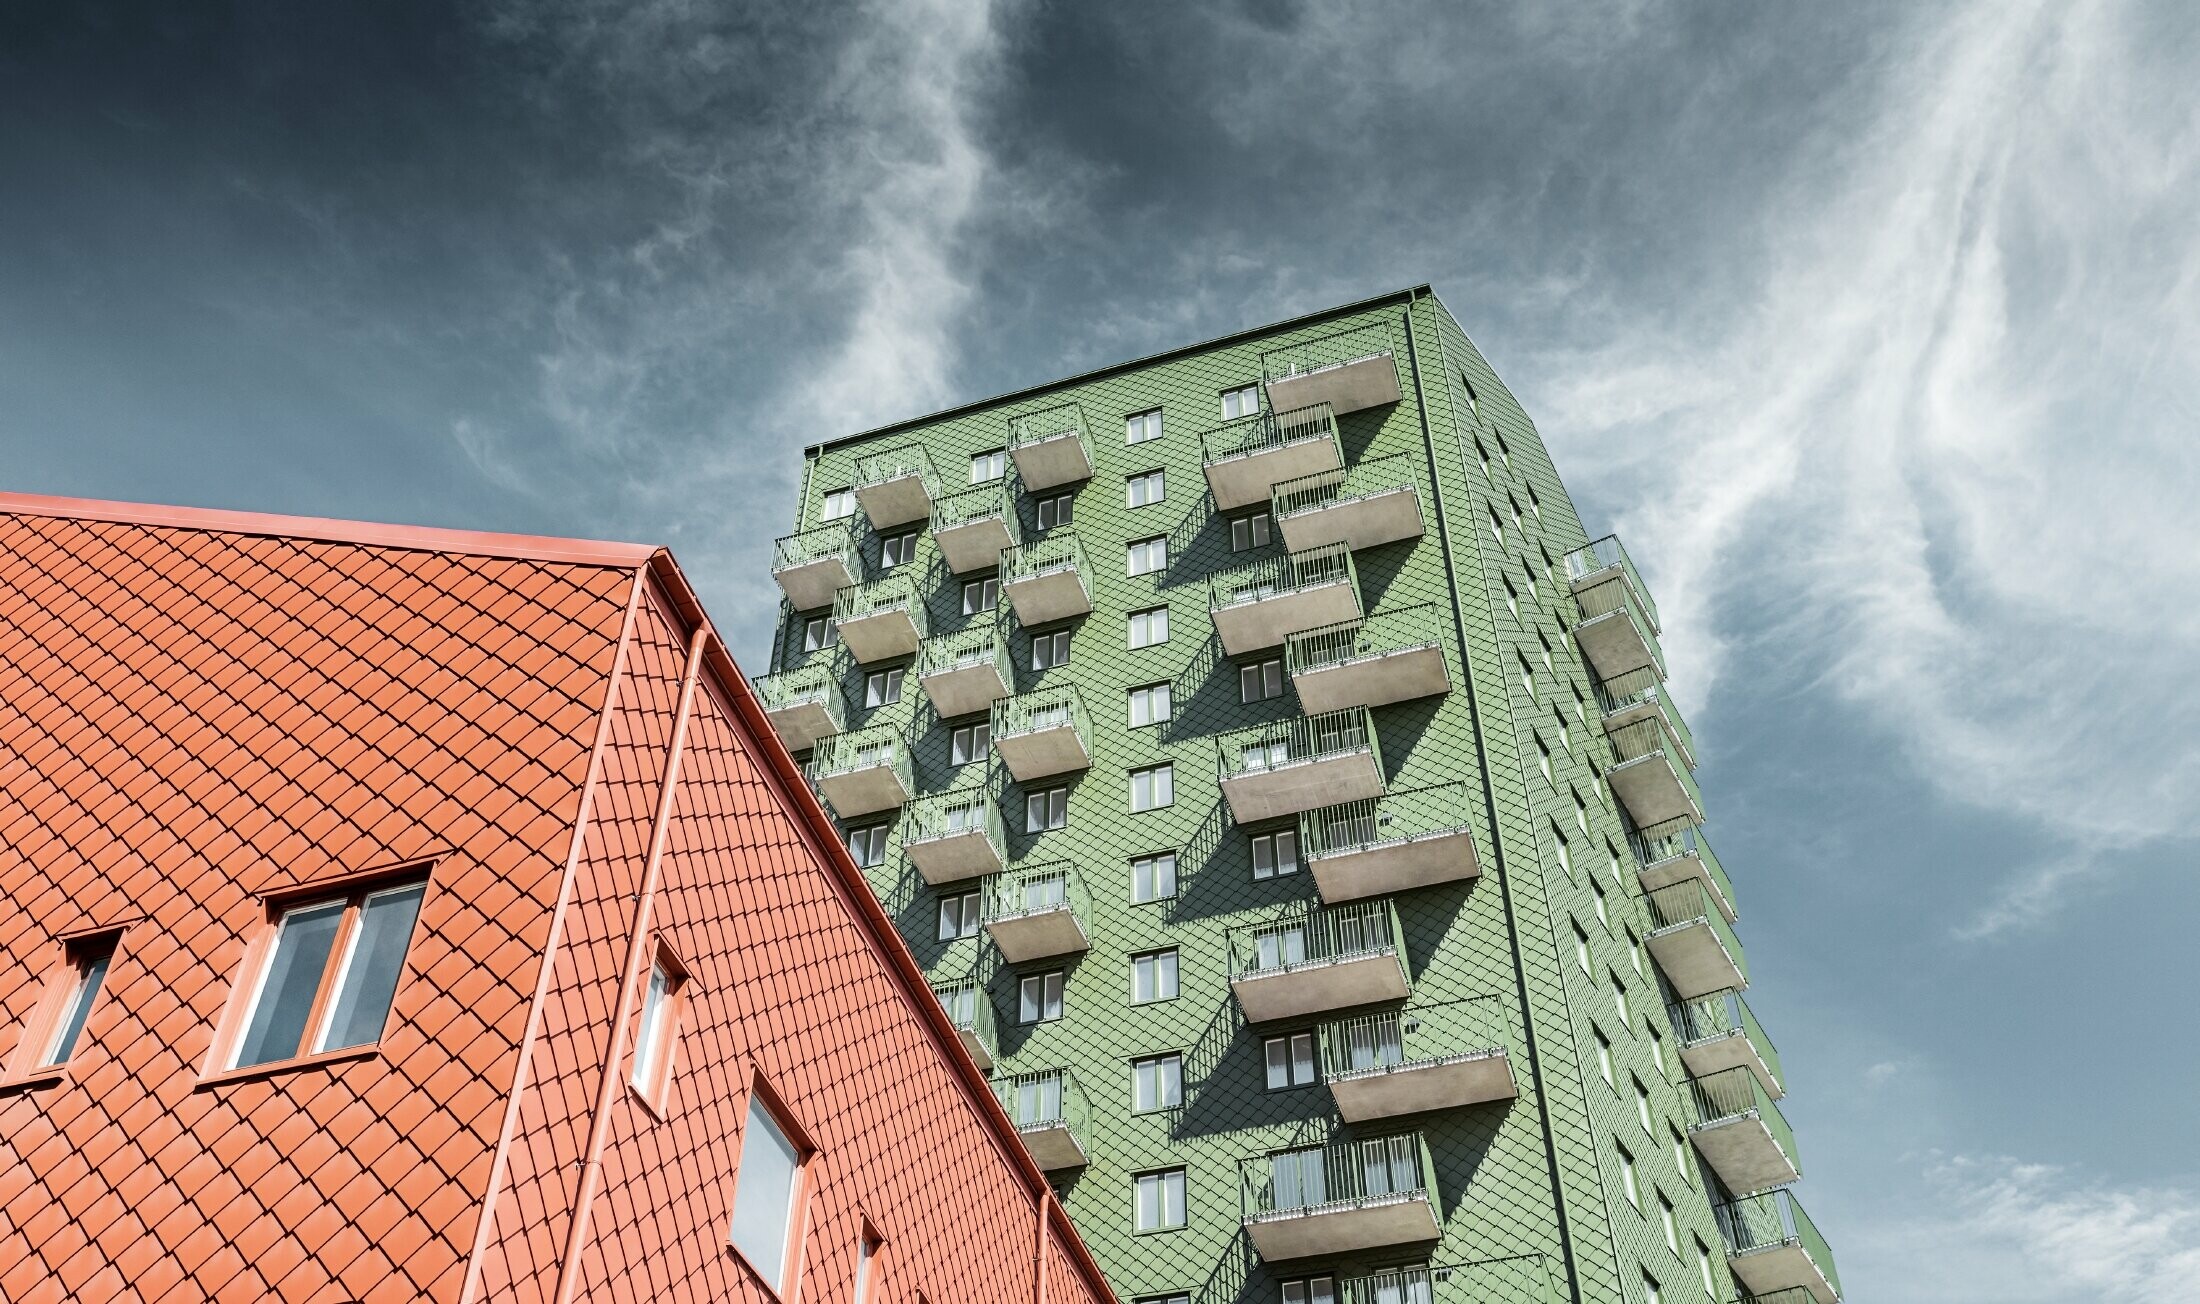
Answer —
1321 1179
894 464
1639 688
1044 1099
1045 424
971 1011
1341 349
1371 1043
1289 573
947 814
1300 740
879 746
1723 1014
1057 550
1518 1279
1308 493
1045 708
810 685
1315 934
1673 840
978 645
1772 1219
1735 1093
1394 817
1791 1295
1608 553
1383 634
1621 602
1263 431
834 539
993 500
1646 738
880 596
1037 890
1686 903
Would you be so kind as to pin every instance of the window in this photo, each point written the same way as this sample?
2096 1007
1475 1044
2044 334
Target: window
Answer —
1275 854
988 466
1159 1200
1147 556
1243 401
1512 598
1497 527
766 1187
1153 977
1039 997
1543 757
1164 1299
1142 426
1596 898
1657 1053
1261 680
839 503
1153 787
1581 811
1050 650
84 971
1153 878
1527 677
1703 1269
1149 627
1249 532
882 687
1322 1290
867 1248
1565 852
896 549
1619 1003
1650 1292
1672 1228
1546 651
1144 489
958 916
1680 1153
1054 510
968 742
1046 811
1634 952
1157 1082
1642 1106
1627 1178
657 1034
1604 1059
1581 947
868 845
981 595
1149 705
819 633
1290 1060
329 976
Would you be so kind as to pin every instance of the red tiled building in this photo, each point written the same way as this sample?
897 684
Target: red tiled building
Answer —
402 914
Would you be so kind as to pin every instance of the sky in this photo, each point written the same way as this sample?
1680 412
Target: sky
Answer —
1873 328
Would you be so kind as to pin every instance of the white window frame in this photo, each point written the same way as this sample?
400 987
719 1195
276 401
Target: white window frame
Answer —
1249 532
1038 993
837 505
1148 556
896 550
1046 810
968 743
1280 851
1169 1200
1055 511
989 466
882 687
1142 427
1156 867
1141 625
1057 645
1145 489
958 916
1241 401
1159 782
1161 1071
1288 1061
872 850
819 633
1260 681
988 594
1149 705
1162 978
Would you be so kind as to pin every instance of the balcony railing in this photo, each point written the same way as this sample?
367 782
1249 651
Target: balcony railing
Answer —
1616 635
1352 369
1432 1057
1651 778
1261 604
971 528
965 672
1288 766
1638 696
1692 942
1245 458
1741 1133
1314 958
1050 1111
803 705
951 836
1037 912
1677 850
1517 1279
1401 840
1338 1199
1391 656
812 565
1364 505
1719 1032
864 772
1773 1247
1050 447
1606 560
882 619
1042 733
1047 578
897 486
971 1011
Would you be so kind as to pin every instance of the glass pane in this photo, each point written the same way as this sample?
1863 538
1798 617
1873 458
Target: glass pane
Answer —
647 1035
763 1195
1302 1057
277 1025
89 978
368 978
1172 1081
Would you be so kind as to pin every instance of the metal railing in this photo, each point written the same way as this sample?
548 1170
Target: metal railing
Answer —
1621 602
1686 903
1289 573
1394 817
1308 493
1641 688
971 1011
1673 840
1323 1179
1517 1279
1263 431
1371 1043
1047 1098
1645 738
1608 553
1315 934
1723 1014
1338 350
834 539
1297 741
1772 1219
1379 635
947 814
886 594
1036 890
993 499
1735 1093
1056 550
1046 708
878 747
976 646
1045 424
810 685
895 463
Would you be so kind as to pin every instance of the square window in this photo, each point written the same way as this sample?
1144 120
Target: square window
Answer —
882 687
1153 878
958 916
1144 489
1157 1082
1275 854
1142 426
988 466
1249 532
1046 811
1149 705
839 503
868 845
767 1187
1158 1200
1153 787
1243 401
1261 680
1054 510
896 549
1153 977
1149 627
819 633
1050 650
1290 1060
1147 556
330 975
1039 997
981 595
967 743
657 1033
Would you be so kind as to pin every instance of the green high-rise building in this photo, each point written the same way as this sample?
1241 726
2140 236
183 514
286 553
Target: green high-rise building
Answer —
1277 780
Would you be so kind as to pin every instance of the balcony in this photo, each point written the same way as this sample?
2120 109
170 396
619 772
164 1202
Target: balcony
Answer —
1042 734
1606 562
966 672
1038 912
812 565
1302 764
1693 944
1391 656
1047 579
803 705
1050 1113
1773 1246
971 1011
1315 959
1636 697
1260 605
1245 459
1650 779
1350 371
1363 506
881 620
1677 852
862 773
1740 1133
1049 448
971 528
1394 843
1718 1033
1351 1198
1516 1279
1618 633
896 487
1416 1061
952 836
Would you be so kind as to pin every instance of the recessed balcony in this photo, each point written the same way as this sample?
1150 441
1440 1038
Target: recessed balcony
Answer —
1772 1247
1038 912
897 487
1411 838
1740 1133
1314 959
1273 770
1693 944
1260 605
1049 448
1718 1033
1418 1061
1650 779
1047 579
1246 458
862 773
1350 371
1352 1198
966 672
803 705
1042 734
1678 852
1635 697
1050 1113
1365 505
882 620
971 1011
952 836
1391 656
813 565
972 528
